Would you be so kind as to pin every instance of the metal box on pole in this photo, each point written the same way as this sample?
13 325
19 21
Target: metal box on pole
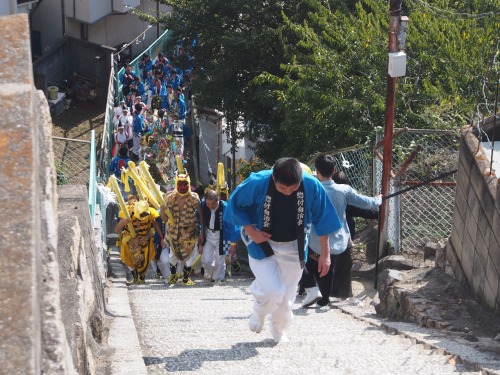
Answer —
397 64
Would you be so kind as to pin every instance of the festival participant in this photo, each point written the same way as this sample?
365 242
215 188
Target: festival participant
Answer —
232 257
178 106
276 209
220 236
137 252
131 201
127 79
138 129
179 212
121 140
119 111
337 280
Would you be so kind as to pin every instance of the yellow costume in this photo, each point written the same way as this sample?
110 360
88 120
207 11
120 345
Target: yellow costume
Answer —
182 225
138 251
183 231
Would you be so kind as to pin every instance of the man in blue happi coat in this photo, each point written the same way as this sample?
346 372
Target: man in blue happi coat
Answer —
276 209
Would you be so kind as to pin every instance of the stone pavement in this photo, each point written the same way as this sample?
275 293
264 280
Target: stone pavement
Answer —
203 329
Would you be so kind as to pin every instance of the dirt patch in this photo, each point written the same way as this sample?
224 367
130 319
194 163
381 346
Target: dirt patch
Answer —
78 122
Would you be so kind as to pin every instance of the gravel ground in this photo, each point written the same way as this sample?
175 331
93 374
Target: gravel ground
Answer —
204 329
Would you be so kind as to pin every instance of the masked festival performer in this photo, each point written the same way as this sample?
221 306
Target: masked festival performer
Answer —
137 252
179 212
276 209
220 236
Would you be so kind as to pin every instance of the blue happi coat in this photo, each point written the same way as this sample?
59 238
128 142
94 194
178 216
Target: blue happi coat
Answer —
246 206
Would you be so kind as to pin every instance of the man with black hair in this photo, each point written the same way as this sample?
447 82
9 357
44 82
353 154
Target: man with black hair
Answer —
276 209
127 79
337 281
146 64
137 132
220 236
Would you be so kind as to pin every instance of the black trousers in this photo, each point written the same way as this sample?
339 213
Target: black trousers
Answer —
306 281
325 282
341 284
337 282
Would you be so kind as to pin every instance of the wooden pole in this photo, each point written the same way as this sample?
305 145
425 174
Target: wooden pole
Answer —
394 14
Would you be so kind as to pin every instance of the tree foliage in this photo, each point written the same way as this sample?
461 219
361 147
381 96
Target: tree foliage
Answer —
310 75
332 93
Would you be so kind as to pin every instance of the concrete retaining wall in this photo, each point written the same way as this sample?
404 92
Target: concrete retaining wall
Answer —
51 310
474 246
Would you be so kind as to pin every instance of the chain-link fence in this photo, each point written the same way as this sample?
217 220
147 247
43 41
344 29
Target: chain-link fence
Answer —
72 160
356 162
425 213
108 131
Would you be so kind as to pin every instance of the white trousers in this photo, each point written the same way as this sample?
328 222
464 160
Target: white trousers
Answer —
275 285
213 263
164 262
167 258
136 149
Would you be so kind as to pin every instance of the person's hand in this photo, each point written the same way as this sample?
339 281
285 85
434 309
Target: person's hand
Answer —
127 221
324 263
256 235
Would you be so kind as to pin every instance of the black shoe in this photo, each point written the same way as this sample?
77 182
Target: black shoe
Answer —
236 266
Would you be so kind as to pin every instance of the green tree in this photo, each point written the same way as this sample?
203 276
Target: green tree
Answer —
310 75
332 94
235 41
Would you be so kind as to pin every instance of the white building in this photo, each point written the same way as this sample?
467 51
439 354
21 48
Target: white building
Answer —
8 7
104 22
215 145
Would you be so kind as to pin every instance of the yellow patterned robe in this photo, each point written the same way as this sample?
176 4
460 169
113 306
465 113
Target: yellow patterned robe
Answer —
183 233
137 252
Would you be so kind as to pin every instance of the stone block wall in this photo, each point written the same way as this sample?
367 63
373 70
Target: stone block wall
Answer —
473 249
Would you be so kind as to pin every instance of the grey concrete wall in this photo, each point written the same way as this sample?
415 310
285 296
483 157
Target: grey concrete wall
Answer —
474 246
52 305
80 281
90 60
32 337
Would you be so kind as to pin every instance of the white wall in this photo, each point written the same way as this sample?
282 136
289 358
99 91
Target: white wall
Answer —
110 30
47 19
243 152
8 7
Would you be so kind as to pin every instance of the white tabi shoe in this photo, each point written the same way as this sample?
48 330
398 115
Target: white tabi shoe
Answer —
278 334
313 295
256 322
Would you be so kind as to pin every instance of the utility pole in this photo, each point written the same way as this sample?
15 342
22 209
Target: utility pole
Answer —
394 24
157 18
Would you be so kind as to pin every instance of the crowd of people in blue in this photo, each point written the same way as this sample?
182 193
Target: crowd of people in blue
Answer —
291 220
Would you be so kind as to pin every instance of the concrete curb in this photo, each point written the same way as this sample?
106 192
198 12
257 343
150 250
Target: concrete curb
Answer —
127 357
431 339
